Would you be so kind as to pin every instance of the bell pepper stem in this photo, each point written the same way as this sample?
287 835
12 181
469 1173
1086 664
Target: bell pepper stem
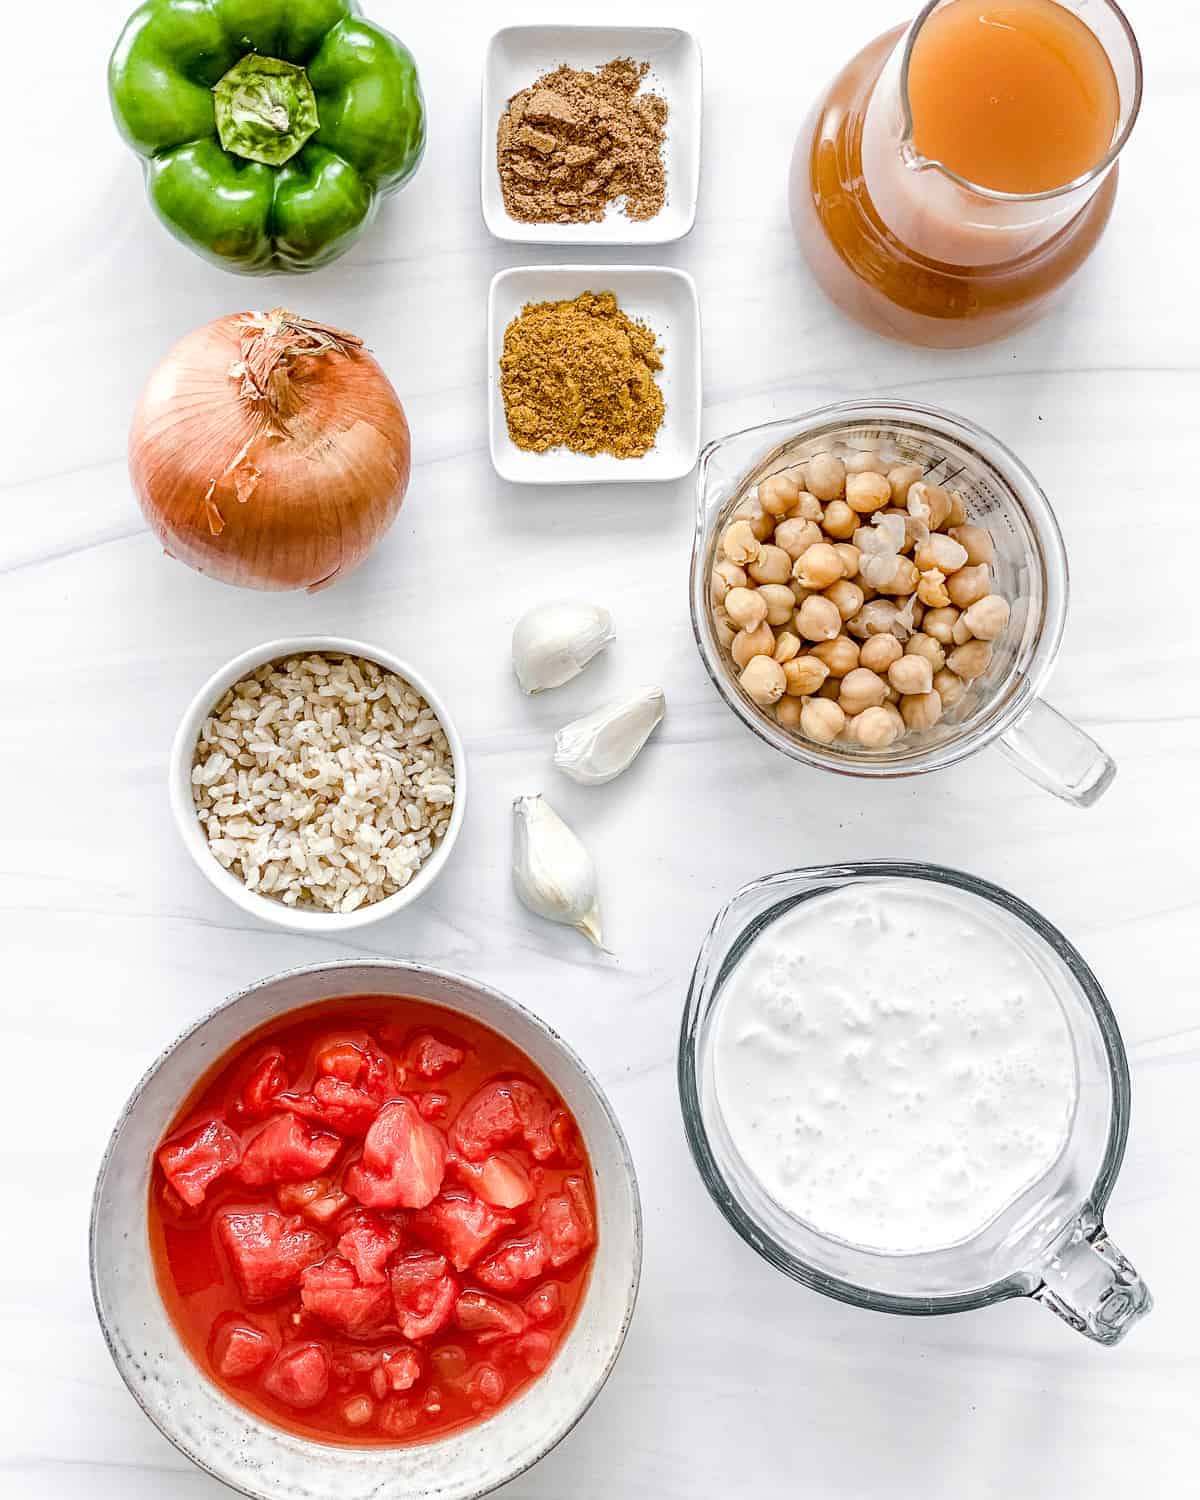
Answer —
265 109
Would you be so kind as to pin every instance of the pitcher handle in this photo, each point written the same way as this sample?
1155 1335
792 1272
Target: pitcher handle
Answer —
1058 755
1091 1286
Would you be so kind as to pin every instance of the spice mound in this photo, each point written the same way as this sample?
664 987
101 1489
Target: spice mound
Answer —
323 781
575 141
580 375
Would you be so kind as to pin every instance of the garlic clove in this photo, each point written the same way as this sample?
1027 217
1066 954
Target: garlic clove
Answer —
552 871
602 744
554 642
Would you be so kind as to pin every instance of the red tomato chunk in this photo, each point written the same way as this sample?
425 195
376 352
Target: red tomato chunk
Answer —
372 1222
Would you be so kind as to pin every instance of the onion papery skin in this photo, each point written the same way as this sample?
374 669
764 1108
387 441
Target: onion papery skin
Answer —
284 492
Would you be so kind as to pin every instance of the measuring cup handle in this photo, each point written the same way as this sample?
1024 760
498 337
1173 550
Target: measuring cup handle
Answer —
1058 755
1090 1285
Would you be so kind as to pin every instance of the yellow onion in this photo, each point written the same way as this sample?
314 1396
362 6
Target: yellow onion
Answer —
269 451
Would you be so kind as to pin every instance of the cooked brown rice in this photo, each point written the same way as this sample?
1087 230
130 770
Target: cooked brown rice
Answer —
323 781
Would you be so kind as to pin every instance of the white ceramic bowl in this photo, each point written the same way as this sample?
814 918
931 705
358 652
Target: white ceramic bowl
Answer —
265 1462
519 54
661 296
309 920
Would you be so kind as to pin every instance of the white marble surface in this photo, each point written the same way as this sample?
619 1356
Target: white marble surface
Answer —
734 1381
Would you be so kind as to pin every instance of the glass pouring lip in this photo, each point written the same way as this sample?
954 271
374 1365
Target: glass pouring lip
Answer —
1016 1284
920 163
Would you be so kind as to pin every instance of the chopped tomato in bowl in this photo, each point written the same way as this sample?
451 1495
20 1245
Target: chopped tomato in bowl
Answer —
373 1225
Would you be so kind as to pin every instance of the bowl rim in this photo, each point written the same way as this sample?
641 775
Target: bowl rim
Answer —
406 967
230 886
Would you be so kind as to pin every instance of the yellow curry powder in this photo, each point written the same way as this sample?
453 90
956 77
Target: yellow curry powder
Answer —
580 375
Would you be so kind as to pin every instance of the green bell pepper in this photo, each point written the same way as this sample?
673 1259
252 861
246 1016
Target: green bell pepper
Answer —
270 129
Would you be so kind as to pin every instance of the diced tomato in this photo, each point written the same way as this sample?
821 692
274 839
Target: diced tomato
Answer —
566 1222
460 1225
240 1349
358 1411
500 1113
515 1261
332 1291
359 1064
267 1252
485 1387
337 1105
366 1241
192 1162
500 1180
476 1311
424 1293
566 1142
403 1160
433 1105
287 1149
535 1348
300 1376
430 1057
545 1304
398 1416
396 1370
267 1078
317 1200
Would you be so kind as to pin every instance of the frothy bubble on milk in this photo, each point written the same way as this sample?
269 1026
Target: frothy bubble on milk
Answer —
893 1066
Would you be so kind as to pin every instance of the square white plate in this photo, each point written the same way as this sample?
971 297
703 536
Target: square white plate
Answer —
661 296
519 54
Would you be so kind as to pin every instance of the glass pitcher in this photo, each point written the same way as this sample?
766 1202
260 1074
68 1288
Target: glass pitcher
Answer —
1049 1244
916 252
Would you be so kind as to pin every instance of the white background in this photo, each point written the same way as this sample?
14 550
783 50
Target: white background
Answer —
734 1381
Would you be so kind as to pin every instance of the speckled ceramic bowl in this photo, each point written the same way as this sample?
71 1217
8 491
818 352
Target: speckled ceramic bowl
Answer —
263 1461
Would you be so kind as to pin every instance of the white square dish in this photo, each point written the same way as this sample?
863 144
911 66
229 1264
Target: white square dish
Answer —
661 296
519 54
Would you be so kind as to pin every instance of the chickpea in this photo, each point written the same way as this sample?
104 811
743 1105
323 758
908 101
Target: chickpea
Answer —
753 514
831 688
877 617
911 674
879 651
970 661
914 531
840 655
957 514
895 715
839 520
941 552
787 646
778 494
890 696
861 689
762 679
866 463
821 721
739 544
962 632
875 729
988 617
851 558
780 602
918 612
825 476
867 492
805 675
978 543
726 575
750 643
901 479
921 710
847 596
818 619
902 579
772 565
932 589
928 647
746 608
796 536
800 593
788 713
929 503
969 584
724 627
949 687
818 567
939 623
807 507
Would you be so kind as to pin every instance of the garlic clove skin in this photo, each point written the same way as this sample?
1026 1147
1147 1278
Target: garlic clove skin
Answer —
602 744
553 873
554 642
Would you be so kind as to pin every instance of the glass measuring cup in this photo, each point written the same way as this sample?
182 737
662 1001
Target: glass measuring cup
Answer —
1049 1244
915 251
1003 706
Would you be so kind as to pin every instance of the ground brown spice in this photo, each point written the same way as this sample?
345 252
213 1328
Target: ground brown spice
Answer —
580 375
574 141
